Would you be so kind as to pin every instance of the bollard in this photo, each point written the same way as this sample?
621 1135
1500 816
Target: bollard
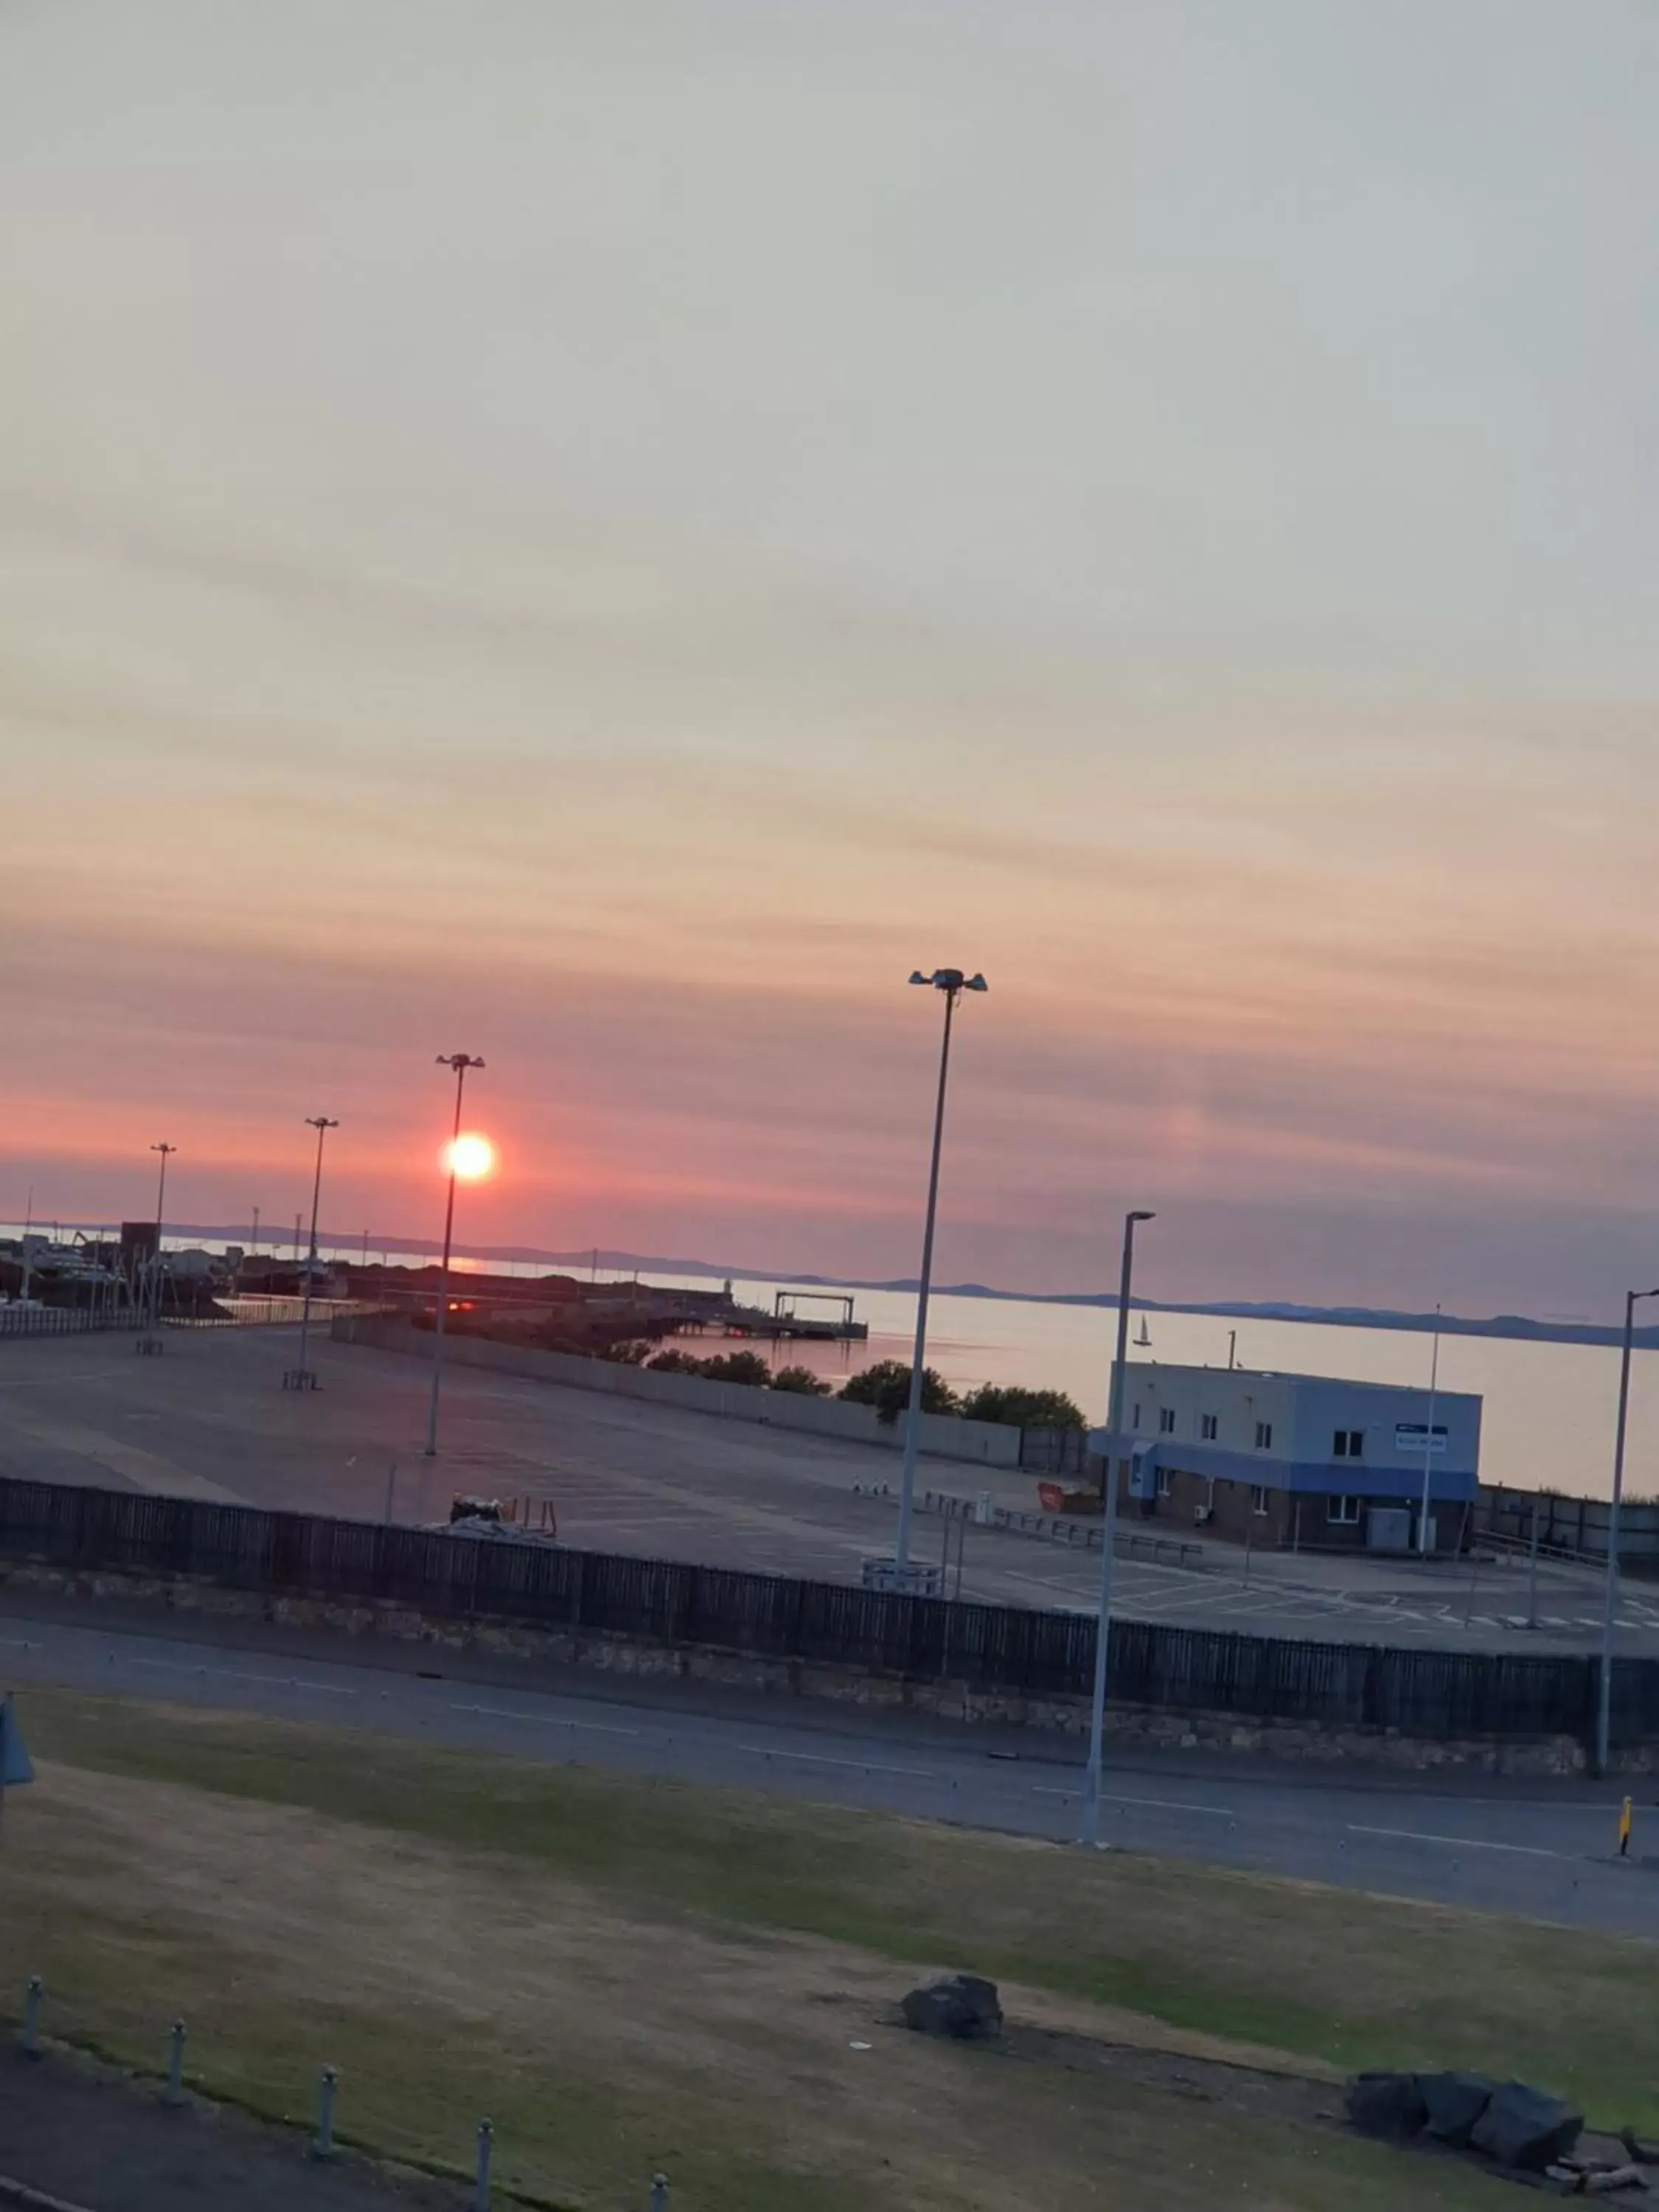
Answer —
324 2146
659 2193
1623 1829
176 2065
481 2194
37 1990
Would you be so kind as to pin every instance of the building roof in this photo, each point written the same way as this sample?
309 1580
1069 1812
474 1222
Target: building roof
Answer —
1290 1375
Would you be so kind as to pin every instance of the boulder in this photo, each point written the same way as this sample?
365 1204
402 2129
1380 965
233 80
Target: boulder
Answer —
1454 2102
1387 2104
1526 2128
960 2005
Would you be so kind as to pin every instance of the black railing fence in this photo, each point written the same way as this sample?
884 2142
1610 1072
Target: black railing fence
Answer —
1016 1648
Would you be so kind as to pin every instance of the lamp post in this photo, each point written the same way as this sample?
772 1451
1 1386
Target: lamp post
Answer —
460 1062
300 1378
952 982
1428 1440
1610 1596
1090 1829
152 1342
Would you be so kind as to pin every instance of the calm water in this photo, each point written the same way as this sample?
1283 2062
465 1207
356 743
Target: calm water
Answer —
1548 1417
1549 1410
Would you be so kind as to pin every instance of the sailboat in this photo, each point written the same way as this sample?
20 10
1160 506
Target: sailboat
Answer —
1145 1336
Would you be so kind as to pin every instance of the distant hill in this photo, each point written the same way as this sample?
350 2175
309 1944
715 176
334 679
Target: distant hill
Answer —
1519 1327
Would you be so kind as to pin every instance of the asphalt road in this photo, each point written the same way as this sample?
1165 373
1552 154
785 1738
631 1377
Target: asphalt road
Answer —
209 1419
1545 1850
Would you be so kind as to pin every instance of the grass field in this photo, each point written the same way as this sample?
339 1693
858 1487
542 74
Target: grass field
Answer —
627 1975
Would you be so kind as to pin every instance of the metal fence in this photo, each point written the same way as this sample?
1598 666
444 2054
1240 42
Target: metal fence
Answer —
17 1319
1054 1451
230 1311
1016 1648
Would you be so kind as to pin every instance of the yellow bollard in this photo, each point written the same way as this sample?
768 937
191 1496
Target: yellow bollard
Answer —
1624 1830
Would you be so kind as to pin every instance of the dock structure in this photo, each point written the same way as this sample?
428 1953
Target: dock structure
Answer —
726 1317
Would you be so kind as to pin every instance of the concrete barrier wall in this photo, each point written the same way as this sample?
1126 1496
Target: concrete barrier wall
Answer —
943 1435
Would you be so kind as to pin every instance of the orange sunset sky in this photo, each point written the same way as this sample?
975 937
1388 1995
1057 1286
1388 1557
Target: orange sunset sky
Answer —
603 535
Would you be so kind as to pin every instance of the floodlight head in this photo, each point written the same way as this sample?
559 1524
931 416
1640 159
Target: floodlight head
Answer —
976 983
917 976
1143 1217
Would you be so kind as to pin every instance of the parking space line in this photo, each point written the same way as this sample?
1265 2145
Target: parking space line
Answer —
1457 1843
1150 1804
241 1674
824 1759
542 1720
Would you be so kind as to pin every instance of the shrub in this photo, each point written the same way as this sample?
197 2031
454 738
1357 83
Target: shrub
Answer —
674 1363
747 1368
1023 1409
801 1382
886 1386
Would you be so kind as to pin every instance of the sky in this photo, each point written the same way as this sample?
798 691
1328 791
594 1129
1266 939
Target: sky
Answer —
603 533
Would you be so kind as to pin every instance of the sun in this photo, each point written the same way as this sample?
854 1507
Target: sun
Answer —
470 1156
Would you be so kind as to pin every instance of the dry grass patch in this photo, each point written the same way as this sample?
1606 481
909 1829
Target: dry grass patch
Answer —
625 1977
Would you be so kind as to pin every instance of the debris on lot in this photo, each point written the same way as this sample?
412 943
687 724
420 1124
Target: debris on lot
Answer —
1526 2128
1521 2130
1454 2102
962 2006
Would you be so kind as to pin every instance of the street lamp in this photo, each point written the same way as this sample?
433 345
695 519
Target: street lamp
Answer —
1090 1833
1610 1599
952 982
153 1341
460 1062
300 1378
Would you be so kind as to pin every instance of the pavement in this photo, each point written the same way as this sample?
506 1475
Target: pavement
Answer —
1543 1849
209 1419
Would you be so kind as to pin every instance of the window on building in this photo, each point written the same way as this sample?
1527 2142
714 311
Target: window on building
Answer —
1348 1443
1135 1424
1264 1436
1259 1498
1207 1428
1164 1482
1166 1420
1342 1512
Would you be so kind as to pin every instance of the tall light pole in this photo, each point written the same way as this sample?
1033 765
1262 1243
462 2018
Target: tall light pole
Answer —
152 1342
952 982
1091 1831
300 1378
1610 1598
1428 1440
460 1062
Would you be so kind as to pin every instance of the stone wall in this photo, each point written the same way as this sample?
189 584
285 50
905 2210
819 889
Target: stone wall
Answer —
956 1701
942 1436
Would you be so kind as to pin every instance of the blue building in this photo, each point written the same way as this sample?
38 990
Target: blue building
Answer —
1294 1459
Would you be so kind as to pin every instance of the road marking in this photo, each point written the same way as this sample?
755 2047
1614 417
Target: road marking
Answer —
238 1674
824 1758
542 1720
1458 1843
1155 1804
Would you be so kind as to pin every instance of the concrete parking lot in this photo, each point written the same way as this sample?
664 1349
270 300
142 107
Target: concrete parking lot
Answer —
211 1419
